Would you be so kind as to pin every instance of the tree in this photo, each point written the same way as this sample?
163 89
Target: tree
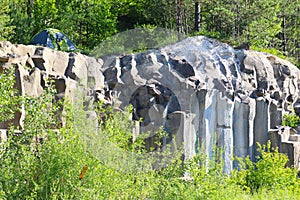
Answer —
291 16
6 30
197 16
86 22
266 24
43 14
21 19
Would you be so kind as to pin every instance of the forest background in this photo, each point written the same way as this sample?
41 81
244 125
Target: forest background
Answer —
268 25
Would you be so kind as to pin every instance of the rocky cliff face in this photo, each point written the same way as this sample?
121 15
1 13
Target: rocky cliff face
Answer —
201 91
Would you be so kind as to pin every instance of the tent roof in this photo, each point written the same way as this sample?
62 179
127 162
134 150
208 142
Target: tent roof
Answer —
53 38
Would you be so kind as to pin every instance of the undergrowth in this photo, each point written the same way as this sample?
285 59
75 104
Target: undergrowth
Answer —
291 120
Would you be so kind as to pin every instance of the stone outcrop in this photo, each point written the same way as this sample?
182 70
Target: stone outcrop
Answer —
202 92
287 141
35 65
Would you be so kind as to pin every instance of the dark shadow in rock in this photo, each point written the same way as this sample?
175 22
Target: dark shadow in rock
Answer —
150 95
182 67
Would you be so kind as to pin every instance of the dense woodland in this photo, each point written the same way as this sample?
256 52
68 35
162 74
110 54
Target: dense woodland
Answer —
266 24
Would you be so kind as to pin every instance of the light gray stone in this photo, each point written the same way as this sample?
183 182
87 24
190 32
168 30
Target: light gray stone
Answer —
204 93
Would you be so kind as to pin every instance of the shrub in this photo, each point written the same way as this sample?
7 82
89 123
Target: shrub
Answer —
269 50
9 98
268 173
291 120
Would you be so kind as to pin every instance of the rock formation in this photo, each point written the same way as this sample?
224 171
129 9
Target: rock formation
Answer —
201 91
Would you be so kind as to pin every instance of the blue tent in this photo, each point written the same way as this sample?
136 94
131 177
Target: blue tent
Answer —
53 39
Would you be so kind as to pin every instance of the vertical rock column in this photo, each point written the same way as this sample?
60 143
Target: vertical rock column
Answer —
261 123
191 126
241 122
208 136
224 113
189 137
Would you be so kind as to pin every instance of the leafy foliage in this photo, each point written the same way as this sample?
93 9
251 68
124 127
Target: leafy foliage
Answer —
264 23
268 173
6 29
271 51
291 120
139 39
9 98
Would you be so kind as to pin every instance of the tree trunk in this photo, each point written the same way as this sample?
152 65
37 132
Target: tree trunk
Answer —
284 34
197 16
233 30
179 20
297 55
30 5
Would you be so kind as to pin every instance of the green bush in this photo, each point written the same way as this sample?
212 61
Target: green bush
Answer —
9 97
270 50
278 53
291 120
269 173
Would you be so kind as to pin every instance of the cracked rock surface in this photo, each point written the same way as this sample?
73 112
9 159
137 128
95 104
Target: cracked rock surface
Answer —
201 91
